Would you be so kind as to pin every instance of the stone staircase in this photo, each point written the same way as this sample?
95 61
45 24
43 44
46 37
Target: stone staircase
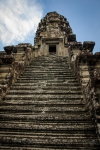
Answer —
45 110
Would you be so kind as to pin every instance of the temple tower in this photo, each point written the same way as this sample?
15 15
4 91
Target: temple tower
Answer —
53 34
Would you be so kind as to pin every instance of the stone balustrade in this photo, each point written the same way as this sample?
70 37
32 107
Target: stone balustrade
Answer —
12 64
87 68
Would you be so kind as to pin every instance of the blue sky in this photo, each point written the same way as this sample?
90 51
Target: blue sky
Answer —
19 19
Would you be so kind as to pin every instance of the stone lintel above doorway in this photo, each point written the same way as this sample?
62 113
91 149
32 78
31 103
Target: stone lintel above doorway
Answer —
52 40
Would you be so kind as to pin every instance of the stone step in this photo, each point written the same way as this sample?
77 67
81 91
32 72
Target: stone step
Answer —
42 133
60 117
47 141
27 87
42 148
49 74
51 102
46 70
41 122
35 72
54 60
42 91
47 126
43 69
41 109
45 58
43 96
55 77
51 60
46 80
39 84
30 74
51 57
48 63
40 71
51 65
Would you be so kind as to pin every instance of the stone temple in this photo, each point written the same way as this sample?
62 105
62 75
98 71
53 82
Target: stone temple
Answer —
50 92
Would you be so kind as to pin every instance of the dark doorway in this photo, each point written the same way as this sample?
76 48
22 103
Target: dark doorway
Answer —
52 49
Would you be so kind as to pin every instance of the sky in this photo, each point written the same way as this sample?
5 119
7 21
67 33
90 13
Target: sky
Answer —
19 19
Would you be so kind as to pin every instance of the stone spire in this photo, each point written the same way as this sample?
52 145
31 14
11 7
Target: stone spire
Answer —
53 25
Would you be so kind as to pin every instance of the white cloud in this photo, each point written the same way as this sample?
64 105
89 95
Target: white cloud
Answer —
18 19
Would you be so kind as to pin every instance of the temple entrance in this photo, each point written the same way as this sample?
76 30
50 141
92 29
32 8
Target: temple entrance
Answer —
52 49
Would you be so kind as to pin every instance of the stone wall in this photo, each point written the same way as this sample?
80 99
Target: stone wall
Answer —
87 69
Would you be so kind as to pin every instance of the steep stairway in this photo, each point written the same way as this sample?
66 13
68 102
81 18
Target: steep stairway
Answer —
45 110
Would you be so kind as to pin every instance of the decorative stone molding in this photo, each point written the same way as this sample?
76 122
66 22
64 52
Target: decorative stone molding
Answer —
71 38
10 49
88 46
75 45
